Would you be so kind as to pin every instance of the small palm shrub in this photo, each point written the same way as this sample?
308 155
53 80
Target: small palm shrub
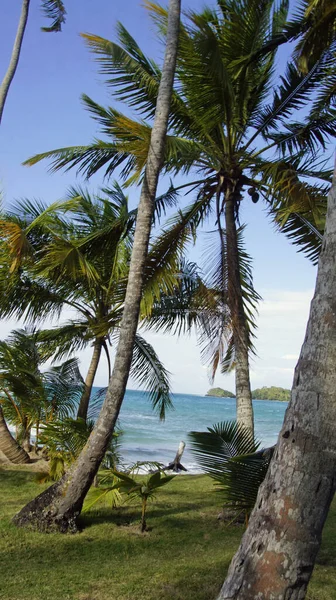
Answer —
231 455
63 441
136 486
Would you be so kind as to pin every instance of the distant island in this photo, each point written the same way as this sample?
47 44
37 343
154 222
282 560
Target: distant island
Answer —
219 393
264 393
271 393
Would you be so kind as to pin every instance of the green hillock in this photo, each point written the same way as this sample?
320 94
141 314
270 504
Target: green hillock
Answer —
271 393
219 393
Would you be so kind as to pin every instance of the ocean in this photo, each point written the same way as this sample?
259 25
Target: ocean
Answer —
146 438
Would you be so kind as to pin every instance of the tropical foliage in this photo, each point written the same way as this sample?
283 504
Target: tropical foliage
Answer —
141 487
53 10
63 440
29 396
236 125
313 28
231 456
75 255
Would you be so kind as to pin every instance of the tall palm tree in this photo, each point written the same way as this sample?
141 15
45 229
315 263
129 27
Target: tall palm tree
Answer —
277 553
54 10
60 507
238 127
30 396
76 256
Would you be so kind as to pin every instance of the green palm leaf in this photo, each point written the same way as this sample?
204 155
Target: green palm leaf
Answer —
148 371
55 11
231 456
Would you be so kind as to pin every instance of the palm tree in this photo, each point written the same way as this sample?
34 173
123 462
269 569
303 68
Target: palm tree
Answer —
29 396
236 126
143 489
60 506
79 259
277 554
54 10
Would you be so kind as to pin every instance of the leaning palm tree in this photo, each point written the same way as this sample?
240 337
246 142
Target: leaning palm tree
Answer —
76 256
9 445
54 10
237 133
62 504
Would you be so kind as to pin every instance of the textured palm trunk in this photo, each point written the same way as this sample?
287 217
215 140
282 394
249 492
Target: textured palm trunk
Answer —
14 61
278 551
59 507
25 441
240 330
9 446
85 399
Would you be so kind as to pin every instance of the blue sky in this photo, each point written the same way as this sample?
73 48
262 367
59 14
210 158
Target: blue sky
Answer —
44 111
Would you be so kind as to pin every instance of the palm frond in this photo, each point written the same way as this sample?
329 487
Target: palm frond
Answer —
231 456
215 329
301 232
63 386
55 11
63 340
134 78
180 310
149 372
167 250
88 159
320 33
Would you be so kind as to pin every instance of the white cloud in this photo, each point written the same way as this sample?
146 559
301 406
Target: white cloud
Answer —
290 357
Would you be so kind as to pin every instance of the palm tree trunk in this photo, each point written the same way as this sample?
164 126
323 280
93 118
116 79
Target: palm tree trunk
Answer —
59 507
278 551
240 329
26 439
143 526
14 61
37 427
85 399
9 446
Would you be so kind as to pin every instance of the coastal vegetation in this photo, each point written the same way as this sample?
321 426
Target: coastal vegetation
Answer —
58 508
230 455
183 557
271 393
30 396
220 393
75 256
264 393
248 136
299 485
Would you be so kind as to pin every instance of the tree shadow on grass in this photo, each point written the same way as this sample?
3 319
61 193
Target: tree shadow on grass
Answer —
124 515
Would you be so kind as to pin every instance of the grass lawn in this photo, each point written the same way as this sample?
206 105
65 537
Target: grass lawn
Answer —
184 557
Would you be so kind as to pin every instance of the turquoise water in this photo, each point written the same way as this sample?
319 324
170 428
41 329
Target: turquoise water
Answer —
147 438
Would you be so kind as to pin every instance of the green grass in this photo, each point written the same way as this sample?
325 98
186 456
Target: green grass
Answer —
184 556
